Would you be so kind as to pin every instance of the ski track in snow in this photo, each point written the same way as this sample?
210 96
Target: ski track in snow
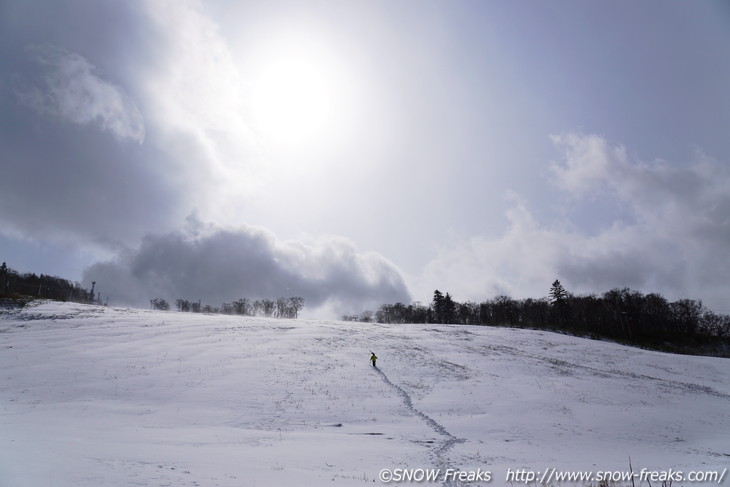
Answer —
449 439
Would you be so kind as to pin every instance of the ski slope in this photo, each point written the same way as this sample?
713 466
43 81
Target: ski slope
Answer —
95 396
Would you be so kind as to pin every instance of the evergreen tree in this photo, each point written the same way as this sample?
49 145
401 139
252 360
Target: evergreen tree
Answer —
444 308
558 294
438 306
4 279
449 310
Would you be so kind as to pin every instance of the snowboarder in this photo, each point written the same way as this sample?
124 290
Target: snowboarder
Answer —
373 358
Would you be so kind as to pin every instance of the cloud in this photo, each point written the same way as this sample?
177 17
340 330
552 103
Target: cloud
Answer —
219 265
686 202
117 119
672 237
70 90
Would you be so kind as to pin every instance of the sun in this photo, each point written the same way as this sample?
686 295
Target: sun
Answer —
293 100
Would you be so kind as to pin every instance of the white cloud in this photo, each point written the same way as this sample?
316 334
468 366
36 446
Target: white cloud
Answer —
193 92
683 201
195 86
588 161
675 243
71 90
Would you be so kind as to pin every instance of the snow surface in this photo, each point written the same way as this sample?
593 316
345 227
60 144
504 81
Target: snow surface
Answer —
93 396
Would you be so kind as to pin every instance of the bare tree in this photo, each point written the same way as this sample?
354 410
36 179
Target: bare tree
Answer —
296 304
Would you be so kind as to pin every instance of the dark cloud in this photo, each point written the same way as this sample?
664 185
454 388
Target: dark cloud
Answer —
62 180
221 265
103 140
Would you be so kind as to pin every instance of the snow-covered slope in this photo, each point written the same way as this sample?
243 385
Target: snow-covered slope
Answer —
93 396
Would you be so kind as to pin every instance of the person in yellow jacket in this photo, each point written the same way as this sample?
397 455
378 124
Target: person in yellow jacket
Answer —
373 358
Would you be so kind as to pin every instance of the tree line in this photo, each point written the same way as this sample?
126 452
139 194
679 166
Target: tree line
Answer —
22 286
279 308
621 314
14 284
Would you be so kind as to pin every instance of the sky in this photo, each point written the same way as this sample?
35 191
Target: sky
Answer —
367 152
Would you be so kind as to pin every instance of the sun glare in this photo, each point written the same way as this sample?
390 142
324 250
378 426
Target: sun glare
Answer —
292 100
